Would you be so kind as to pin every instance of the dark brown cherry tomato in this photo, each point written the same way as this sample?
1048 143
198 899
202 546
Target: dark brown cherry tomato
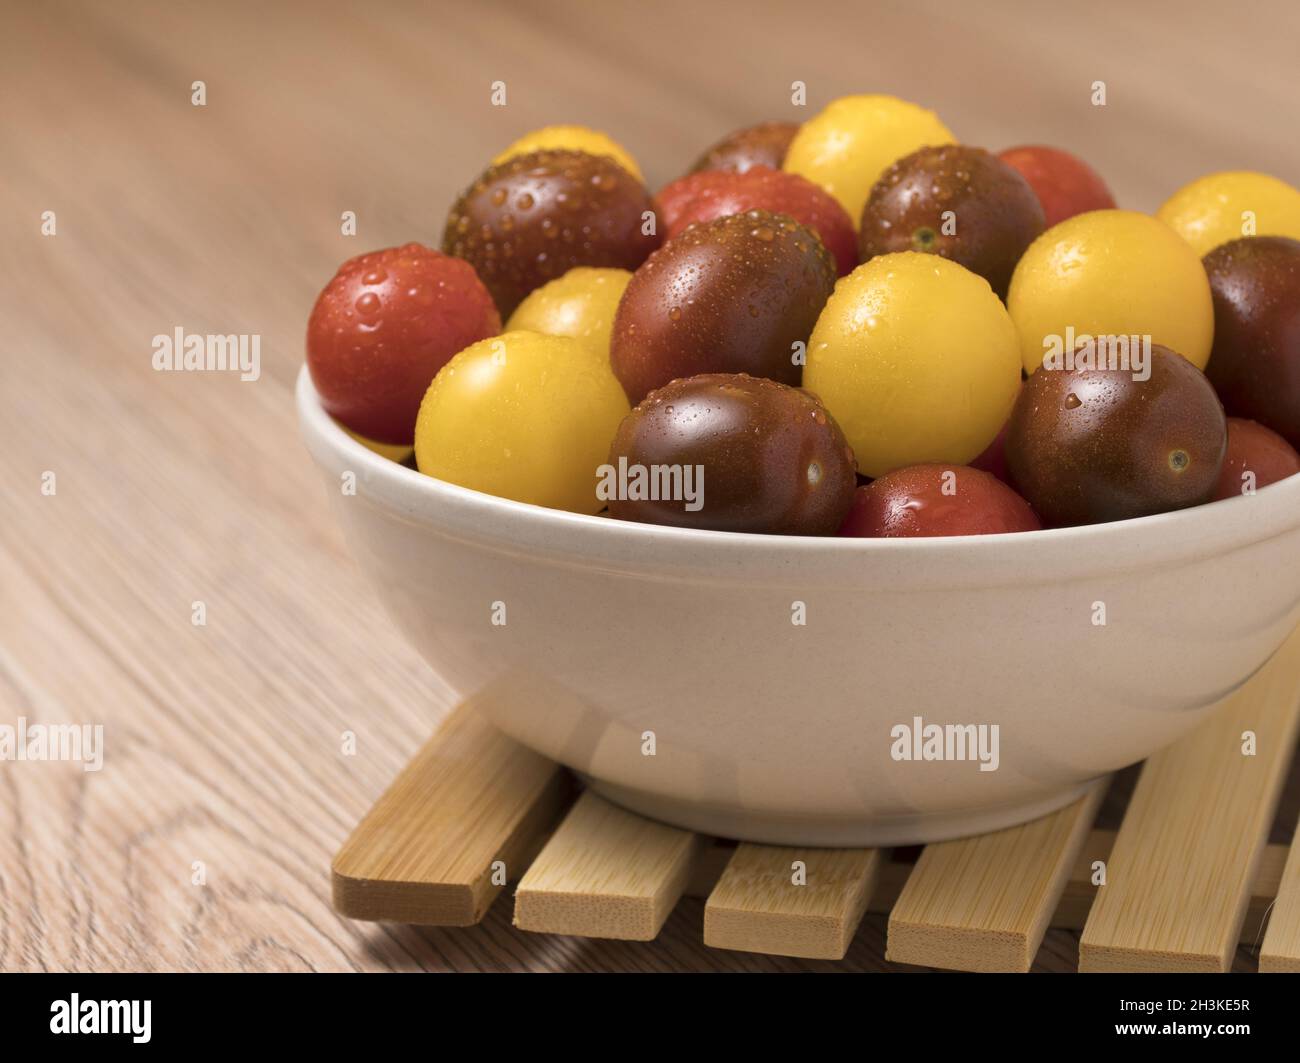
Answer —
1255 362
759 145
931 500
728 296
534 217
747 455
1257 456
956 201
1093 445
384 326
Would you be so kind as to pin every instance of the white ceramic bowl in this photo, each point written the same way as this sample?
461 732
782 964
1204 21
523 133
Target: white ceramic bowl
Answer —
767 730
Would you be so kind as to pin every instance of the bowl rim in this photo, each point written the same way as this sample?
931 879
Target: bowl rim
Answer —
1172 538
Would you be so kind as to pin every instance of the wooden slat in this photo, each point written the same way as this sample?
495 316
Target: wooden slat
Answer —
606 873
1281 950
1076 902
984 903
424 852
1072 909
1178 880
762 904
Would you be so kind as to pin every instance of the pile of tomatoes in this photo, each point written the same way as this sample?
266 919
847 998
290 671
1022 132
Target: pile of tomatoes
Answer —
855 325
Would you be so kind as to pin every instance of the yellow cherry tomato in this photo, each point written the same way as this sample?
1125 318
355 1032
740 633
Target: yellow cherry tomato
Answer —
1111 273
580 304
846 147
1226 206
522 416
572 138
397 452
917 360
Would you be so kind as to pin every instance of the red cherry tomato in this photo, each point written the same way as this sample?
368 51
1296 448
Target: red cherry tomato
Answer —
384 326
712 194
1257 451
930 500
994 458
1064 183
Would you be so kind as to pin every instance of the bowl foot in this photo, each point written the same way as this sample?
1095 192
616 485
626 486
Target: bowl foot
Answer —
833 831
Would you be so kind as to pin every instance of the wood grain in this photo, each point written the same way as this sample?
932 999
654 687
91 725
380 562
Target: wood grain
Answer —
1178 880
1280 952
205 841
606 873
983 903
1076 898
466 815
790 902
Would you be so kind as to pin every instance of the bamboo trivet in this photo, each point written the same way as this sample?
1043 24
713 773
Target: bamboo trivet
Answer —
1187 876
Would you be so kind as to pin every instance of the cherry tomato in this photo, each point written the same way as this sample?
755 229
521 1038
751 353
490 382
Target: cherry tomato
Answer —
572 138
1092 445
759 145
994 458
580 304
847 146
930 500
1257 456
398 452
383 327
1255 361
523 416
716 193
1110 273
733 295
534 217
736 453
917 359
1064 183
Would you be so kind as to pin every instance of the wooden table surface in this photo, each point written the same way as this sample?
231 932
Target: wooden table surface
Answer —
223 753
